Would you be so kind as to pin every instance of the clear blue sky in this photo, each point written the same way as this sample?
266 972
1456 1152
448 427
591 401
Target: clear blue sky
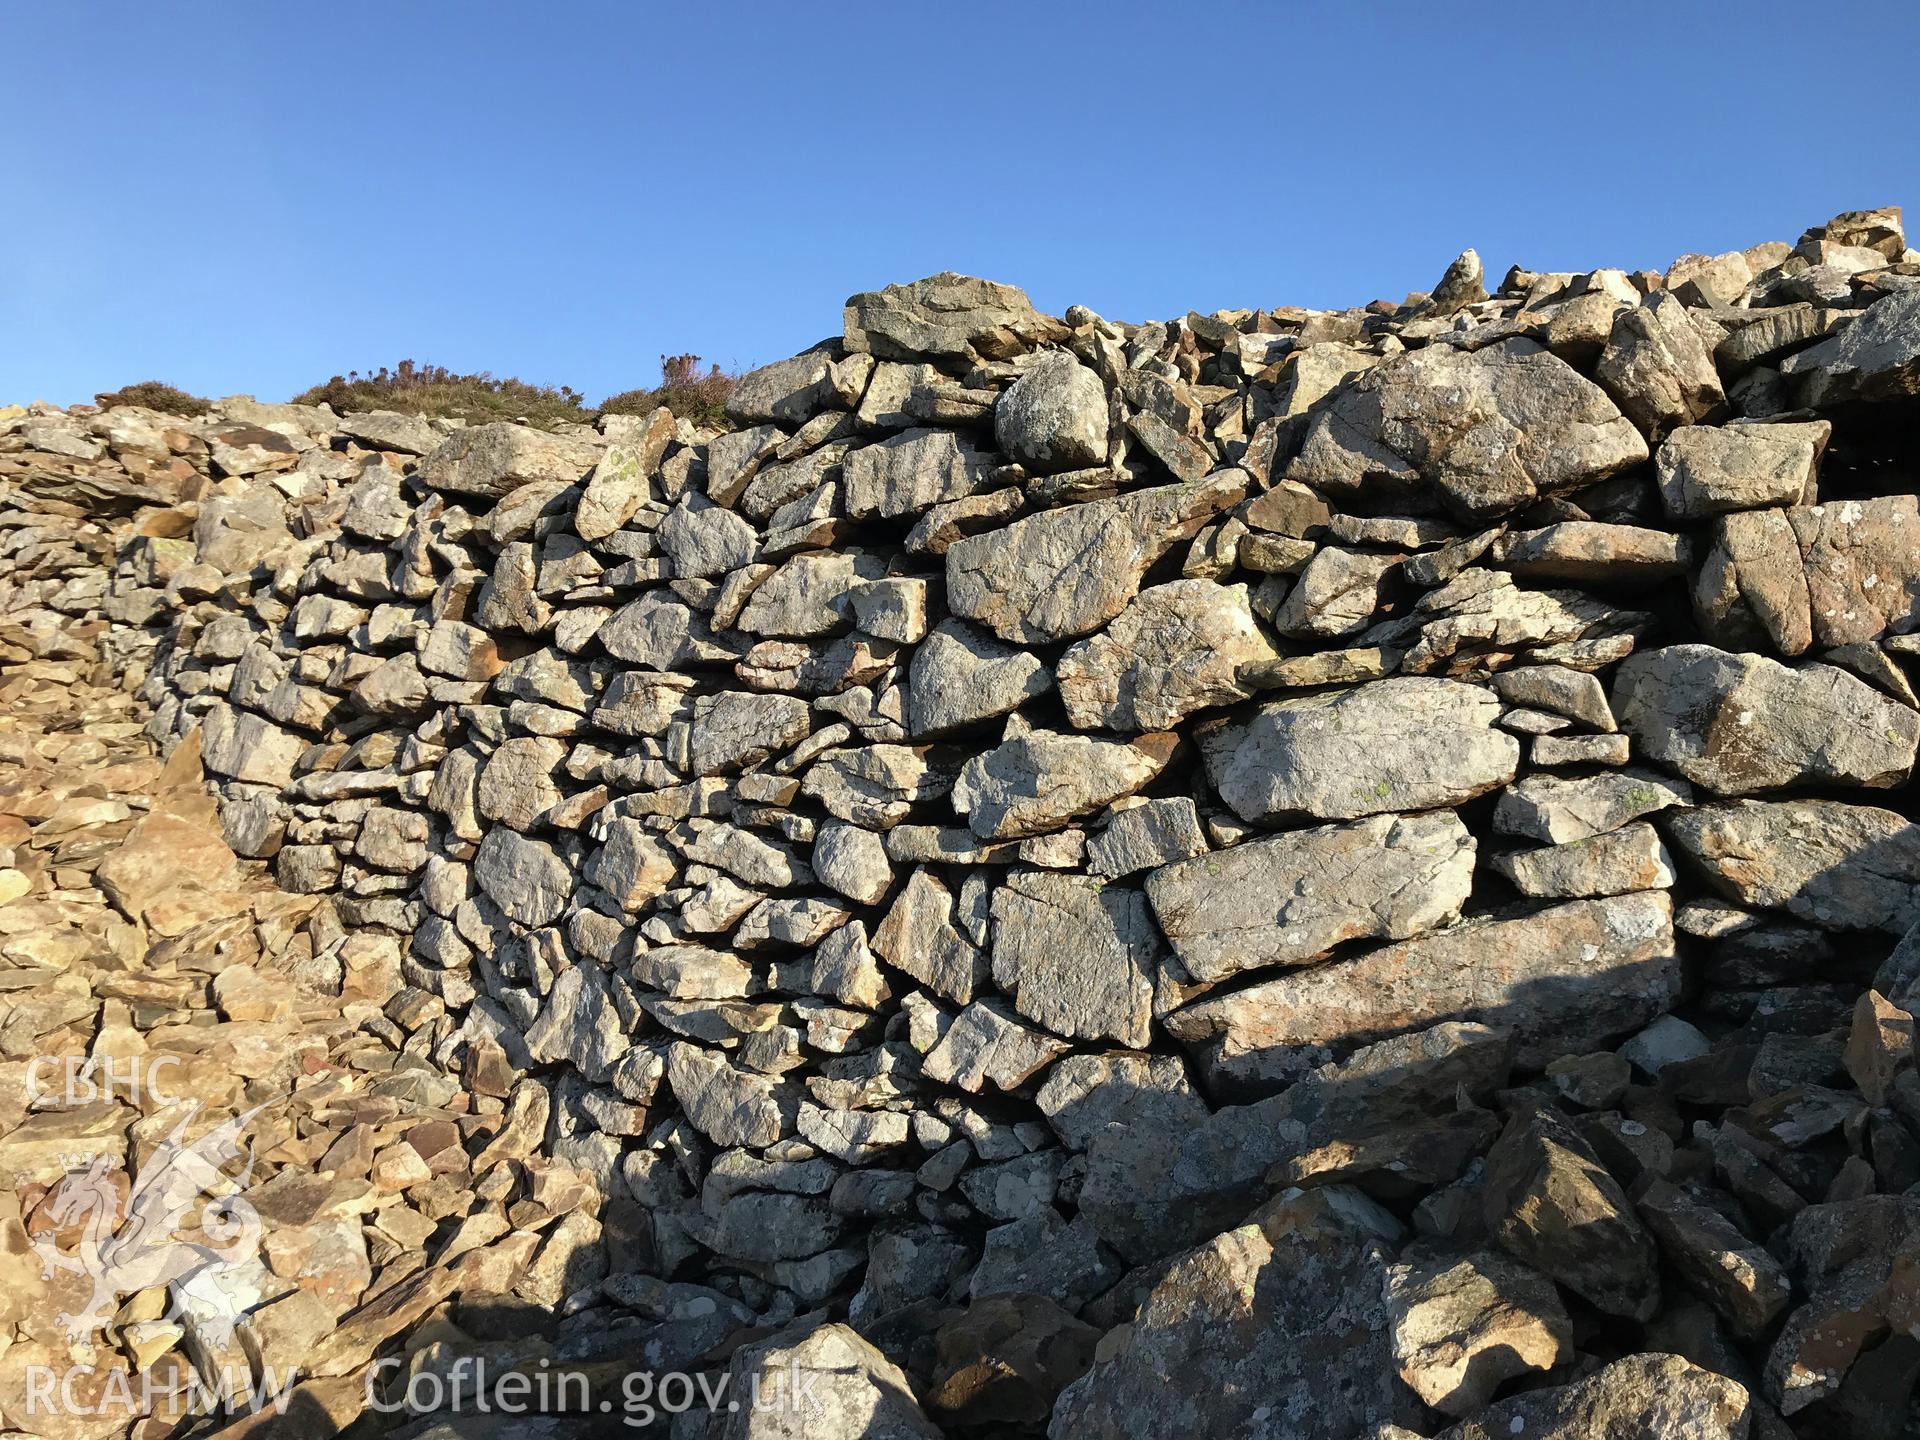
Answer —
256 195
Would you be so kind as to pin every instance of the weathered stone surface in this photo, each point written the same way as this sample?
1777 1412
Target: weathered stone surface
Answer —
985 1045
1007 1358
1613 863
1658 369
836 1387
736 730
1877 358
945 315
1565 978
1843 867
909 472
525 878
1481 431
490 461
1549 1201
622 480
1463 1325
1587 552
1174 649
1291 899
725 1105
1650 1397
1706 470
1561 809
1742 724
700 539
578 1024
919 937
1276 1329
961 676
1038 782
1054 417
1076 956
1738 1277
1403 743
1145 835
1062 573
516 784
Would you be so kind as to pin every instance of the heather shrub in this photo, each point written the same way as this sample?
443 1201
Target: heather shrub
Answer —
155 395
683 389
436 390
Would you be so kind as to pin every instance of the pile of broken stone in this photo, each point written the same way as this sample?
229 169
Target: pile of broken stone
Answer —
1287 872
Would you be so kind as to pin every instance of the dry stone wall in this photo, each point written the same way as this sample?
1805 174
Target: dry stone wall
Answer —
1261 830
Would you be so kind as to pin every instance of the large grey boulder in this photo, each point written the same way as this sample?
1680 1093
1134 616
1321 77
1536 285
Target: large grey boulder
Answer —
1706 470
1402 743
526 878
1038 782
1290 899
1276 1329
906 473
1077 956
818 1382
1742 724
1648 1397
1175 648
1054 417
490 461
1659 369
961 676
1549 1201
946 316
1482 432
1563 980
1875 358
1062 573
1843 867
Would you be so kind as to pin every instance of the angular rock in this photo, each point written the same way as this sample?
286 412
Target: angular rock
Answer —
1650 1397
1063 573
1614 863
1274 1329
490 461
945 316
1403 743
1742 724
1482 432
1291 899
1038 782
1561 810
1563 979
1054 417
1706 470
909 472
818 1381
961 676
1464 1325
985 1045
526 878
1549 1201
1658 369
1076 956
1877 358
1174 649
1842 867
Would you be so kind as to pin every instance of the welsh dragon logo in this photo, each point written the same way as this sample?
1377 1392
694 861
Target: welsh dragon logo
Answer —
156 1243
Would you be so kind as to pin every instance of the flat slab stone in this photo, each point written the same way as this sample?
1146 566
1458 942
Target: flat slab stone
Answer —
1564 980
1290 899
1402 743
